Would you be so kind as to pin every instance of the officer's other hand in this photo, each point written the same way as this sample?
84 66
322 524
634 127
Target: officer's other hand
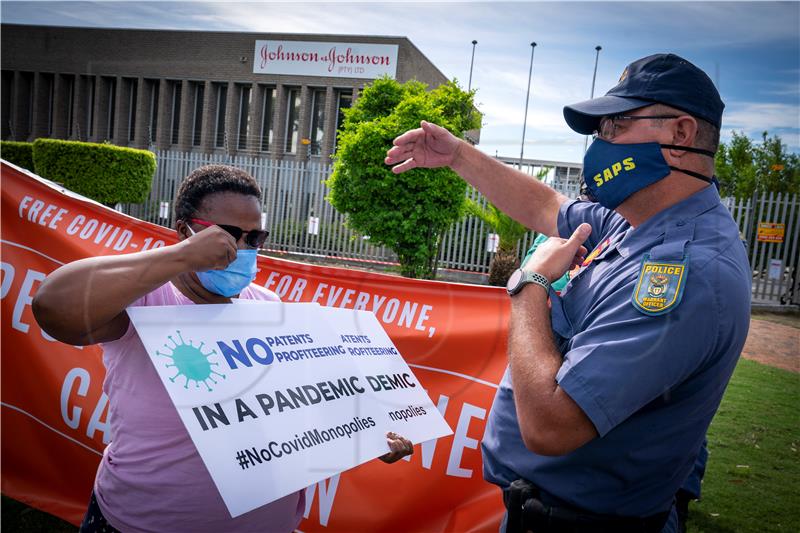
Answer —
555 256
399 446
210 249
429 146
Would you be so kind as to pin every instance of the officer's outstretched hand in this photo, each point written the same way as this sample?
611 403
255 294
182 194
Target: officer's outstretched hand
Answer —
429 146
555 256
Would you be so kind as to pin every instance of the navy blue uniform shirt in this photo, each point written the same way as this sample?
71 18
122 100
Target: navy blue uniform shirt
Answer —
649 384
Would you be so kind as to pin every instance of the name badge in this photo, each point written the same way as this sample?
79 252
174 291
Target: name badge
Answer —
659 288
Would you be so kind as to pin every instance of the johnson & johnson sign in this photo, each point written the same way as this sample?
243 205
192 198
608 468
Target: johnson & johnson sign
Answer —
340 60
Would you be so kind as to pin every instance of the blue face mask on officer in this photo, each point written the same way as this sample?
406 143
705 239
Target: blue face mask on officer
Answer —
613 172
235 277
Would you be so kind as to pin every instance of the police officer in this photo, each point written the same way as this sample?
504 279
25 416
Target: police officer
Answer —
611 386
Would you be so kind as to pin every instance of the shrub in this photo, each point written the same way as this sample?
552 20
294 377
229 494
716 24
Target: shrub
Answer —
19 153
407 212
106 173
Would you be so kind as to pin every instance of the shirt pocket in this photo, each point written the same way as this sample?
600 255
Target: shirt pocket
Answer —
560 322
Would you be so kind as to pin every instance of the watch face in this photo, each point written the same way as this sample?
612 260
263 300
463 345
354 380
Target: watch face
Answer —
514 280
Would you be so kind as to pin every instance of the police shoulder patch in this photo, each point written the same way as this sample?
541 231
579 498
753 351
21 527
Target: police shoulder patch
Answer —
659 288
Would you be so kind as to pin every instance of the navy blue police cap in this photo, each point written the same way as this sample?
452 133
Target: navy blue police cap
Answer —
658 79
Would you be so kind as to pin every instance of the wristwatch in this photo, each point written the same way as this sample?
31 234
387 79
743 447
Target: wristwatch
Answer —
520 278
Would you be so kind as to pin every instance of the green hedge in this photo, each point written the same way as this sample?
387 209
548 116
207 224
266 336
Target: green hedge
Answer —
103 172
19 153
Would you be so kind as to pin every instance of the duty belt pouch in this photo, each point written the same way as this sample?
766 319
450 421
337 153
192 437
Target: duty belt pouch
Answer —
515 496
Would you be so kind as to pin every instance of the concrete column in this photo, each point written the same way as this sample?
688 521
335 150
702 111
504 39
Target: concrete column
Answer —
256 115
305 121
231 116
40 110
60 106
100 116
330 124
209 115
142 107
121 112
79 109
278 147
164 122
187 103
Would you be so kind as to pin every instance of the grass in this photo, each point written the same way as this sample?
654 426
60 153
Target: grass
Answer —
753 467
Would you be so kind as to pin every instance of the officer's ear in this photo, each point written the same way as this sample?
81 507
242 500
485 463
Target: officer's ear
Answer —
684 133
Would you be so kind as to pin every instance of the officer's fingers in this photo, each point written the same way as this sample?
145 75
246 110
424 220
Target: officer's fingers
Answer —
408 164
433 129
408 137
578 236
398 153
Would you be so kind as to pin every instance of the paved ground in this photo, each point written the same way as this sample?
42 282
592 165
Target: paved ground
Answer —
774 340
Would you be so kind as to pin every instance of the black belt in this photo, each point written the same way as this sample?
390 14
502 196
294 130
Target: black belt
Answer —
527 513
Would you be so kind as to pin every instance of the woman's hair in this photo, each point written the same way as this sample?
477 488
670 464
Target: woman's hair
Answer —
208 180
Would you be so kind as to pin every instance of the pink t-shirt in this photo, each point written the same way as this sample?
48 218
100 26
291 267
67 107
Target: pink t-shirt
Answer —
151 477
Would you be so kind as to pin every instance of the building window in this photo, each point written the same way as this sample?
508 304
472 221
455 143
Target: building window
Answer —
344 99
26 96
152 122
50 87
267 107
111 98
292 120
70 81
197 116
7 93
219 126
317 121
176 112
244 116
91 83
133 89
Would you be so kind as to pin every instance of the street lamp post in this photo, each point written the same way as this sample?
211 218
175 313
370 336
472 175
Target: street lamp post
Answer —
527 98
594 77
471 62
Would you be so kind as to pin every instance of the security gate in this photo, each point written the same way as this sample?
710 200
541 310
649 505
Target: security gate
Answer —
769 225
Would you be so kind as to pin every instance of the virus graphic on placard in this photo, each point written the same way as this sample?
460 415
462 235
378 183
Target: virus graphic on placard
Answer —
191 363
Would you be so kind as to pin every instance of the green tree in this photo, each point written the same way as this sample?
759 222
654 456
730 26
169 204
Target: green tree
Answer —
744 167
509 232
407 212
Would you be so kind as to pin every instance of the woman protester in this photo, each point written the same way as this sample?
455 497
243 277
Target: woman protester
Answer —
151 477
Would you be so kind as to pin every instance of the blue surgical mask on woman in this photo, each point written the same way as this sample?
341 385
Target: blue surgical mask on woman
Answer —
234 278
612 172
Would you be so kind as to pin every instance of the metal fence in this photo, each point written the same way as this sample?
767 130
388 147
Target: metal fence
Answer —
301 220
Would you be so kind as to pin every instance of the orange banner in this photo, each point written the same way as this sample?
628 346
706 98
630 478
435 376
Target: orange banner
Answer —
54 410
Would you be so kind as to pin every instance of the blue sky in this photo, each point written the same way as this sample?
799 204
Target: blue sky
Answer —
751 49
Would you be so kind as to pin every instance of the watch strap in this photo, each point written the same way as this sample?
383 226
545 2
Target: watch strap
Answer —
531 277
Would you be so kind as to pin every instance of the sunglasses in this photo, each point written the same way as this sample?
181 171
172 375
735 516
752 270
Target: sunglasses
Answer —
254 238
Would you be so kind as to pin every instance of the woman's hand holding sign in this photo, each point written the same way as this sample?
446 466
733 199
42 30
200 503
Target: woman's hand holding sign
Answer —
400 447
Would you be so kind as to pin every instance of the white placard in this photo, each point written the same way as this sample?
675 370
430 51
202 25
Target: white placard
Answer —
163 210
775 269
278 396
313 225
492 241
338 60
